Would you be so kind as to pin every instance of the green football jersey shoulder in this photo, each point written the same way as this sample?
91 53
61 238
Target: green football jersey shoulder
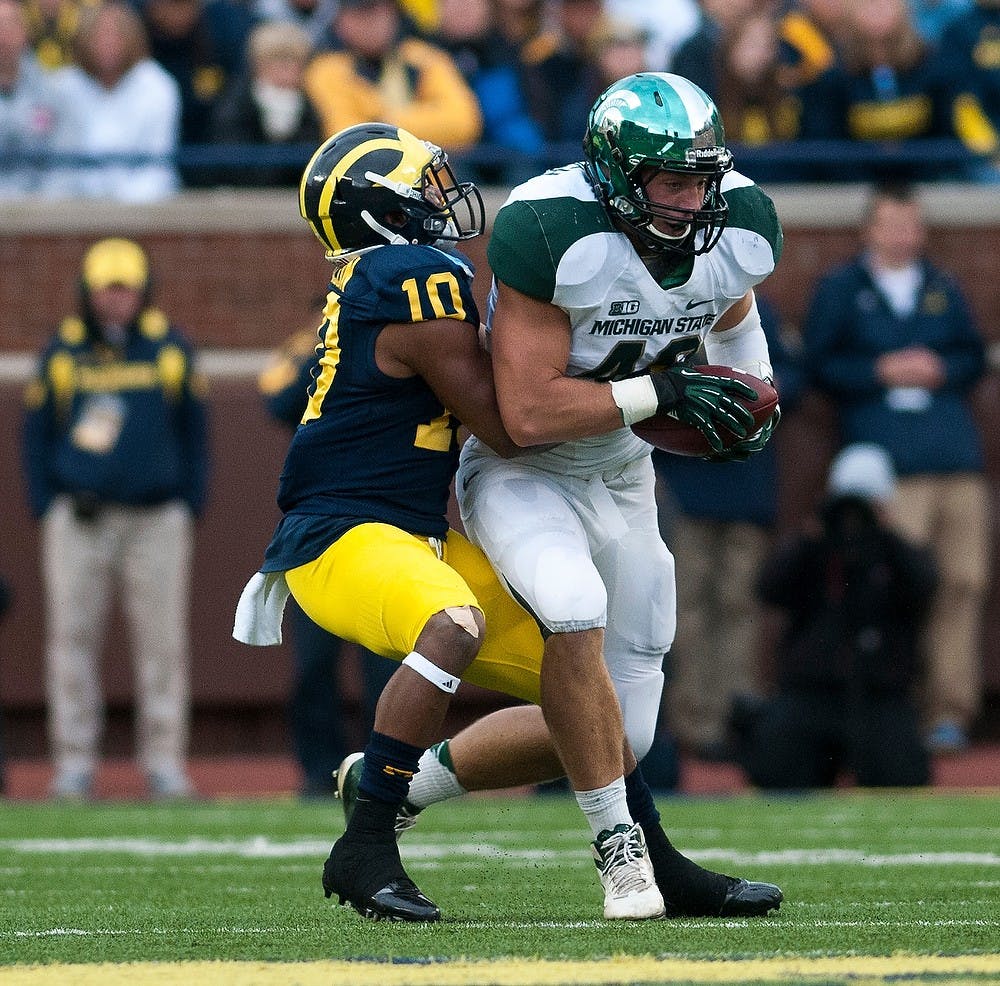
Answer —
552 240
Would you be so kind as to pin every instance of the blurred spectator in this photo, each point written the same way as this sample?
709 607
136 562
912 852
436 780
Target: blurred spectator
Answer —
933 17
116 461
886 86
665 25
317 708
385 74
266 105
854 596
490 65
52 25
757 106
619 49
890 338
809 30
970 49
741 57
30 109
696 57
719 541
202 44
521 22
313 16
561 78
119 103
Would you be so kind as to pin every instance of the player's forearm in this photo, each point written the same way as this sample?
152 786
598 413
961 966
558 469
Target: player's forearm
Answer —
560 411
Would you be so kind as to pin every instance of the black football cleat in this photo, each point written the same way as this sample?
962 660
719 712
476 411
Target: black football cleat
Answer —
749 899
691 891
375 885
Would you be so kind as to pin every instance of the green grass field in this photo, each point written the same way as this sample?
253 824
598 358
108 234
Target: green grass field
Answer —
912 878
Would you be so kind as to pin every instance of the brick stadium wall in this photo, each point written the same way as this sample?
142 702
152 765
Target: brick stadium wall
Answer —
241 273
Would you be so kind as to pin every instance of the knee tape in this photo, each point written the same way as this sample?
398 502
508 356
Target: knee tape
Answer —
462 617
442 679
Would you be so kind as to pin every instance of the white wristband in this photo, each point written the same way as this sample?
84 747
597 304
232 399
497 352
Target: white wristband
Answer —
635 397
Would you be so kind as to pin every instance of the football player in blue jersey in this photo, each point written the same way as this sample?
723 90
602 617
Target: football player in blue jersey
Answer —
363 543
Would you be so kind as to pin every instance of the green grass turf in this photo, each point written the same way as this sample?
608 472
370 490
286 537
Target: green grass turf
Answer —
863 874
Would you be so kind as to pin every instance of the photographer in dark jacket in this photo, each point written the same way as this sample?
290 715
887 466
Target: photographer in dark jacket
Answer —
116 461
854 596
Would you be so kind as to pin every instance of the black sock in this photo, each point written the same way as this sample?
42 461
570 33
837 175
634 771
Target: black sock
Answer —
639 799
389 767
687 888
372 822
366 857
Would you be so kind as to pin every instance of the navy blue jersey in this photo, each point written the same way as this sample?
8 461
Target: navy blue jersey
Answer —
370 447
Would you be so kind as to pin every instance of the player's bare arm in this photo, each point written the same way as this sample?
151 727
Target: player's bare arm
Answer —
735 314
738 339
539 403
447 354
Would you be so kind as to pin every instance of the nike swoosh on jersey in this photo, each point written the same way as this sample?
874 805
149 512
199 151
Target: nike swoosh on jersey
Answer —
698 304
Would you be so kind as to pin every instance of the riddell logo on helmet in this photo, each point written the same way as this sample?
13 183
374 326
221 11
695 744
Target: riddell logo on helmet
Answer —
703 153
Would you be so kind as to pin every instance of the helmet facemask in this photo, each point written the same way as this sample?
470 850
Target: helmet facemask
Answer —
438 209
703 226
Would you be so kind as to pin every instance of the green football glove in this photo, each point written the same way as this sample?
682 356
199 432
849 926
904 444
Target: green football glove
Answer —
741 451
705 401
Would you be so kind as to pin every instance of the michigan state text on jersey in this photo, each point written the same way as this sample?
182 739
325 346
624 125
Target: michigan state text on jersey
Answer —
608 276
554 240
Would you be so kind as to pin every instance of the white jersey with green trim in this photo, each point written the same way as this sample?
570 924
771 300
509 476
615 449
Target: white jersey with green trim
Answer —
552 240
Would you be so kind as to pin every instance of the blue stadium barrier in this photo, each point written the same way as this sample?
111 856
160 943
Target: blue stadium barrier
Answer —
926 160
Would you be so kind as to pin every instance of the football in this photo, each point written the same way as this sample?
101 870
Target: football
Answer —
671 435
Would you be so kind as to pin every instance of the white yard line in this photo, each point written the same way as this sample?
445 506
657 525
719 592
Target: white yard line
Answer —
262 847
688 925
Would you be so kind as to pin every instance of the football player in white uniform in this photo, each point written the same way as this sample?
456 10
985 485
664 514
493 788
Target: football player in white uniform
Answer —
609 275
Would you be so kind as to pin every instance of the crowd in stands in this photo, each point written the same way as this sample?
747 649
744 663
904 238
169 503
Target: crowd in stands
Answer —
135 99
101 98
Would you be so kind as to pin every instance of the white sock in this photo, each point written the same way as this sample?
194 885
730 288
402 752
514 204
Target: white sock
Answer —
433 781
605 808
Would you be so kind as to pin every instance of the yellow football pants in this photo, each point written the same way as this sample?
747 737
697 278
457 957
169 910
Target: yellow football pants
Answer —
378 586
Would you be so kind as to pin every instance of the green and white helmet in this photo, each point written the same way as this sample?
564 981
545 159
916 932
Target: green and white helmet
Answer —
660 121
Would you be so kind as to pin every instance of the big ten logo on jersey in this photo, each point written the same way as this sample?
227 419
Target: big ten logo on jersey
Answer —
623 308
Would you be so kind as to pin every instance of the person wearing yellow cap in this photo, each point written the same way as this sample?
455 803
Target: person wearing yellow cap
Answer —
115 454
115 262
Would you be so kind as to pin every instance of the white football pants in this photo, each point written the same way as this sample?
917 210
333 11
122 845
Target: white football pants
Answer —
582 552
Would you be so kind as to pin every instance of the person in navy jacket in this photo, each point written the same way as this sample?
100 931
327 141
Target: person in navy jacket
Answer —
890 338
115 454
